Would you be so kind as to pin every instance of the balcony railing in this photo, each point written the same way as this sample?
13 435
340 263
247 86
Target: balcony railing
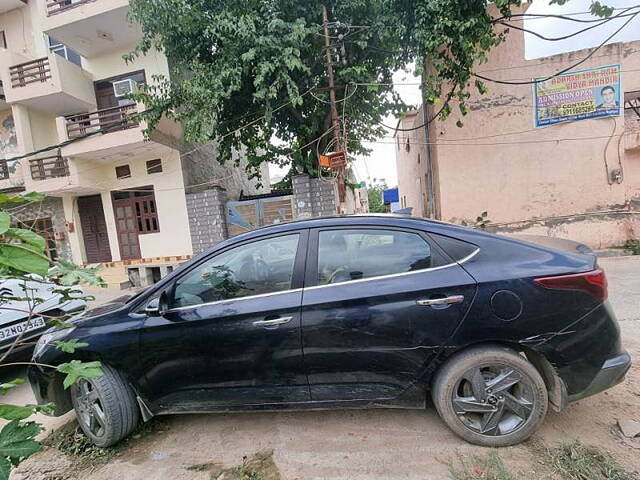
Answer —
30 72
49 167
58 6
105 121
4 170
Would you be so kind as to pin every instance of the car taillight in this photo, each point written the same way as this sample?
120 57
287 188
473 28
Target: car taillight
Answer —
594 283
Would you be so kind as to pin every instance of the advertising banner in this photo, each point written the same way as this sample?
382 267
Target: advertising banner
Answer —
591 93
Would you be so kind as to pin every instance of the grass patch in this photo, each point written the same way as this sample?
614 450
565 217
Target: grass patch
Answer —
575 461
487 467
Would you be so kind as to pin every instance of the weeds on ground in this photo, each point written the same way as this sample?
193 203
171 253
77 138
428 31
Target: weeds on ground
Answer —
633 244
259 466
488 467
575 461
71 441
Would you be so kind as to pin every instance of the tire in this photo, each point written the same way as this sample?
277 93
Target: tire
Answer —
475 396
106 407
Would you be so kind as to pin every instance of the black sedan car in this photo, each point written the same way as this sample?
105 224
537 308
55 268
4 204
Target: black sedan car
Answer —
366 311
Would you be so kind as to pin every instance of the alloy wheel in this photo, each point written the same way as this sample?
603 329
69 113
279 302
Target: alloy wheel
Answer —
89 407
493 400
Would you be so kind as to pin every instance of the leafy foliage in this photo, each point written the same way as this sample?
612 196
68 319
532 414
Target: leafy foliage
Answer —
76 369
22 254
633 244
17 442
66 273
229 58
481 222
70 346
374 194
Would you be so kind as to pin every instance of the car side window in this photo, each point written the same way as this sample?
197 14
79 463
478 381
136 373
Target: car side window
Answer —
345 255
264 266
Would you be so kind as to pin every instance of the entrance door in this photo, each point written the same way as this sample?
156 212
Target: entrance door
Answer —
94 229
124 211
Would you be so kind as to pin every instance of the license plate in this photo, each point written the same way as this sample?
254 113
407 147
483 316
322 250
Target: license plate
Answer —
18 328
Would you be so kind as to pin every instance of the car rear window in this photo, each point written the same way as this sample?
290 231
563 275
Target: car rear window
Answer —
456 249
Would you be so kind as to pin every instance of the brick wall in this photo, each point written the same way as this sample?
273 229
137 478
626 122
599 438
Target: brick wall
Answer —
207 221
314 197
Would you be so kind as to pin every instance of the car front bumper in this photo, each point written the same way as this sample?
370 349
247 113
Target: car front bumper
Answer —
612 372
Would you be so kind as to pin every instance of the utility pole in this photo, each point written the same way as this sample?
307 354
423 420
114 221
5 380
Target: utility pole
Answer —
431 206
335 121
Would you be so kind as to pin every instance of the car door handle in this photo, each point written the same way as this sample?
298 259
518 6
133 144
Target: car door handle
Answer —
272 322
441 301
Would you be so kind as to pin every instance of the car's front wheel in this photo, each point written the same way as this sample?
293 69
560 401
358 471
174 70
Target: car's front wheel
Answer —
490 396
106 407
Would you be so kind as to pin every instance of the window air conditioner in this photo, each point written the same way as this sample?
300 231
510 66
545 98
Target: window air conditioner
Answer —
122 88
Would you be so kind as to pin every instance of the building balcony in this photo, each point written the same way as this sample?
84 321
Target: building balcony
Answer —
50 84
10 176
114 134
91 27
53 174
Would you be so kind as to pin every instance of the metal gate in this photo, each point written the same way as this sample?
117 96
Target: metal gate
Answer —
245 215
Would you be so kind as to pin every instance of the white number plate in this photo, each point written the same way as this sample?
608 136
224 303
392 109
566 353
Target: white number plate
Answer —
18 328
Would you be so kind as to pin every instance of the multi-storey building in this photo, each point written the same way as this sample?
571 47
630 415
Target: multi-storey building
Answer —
114 196
578 180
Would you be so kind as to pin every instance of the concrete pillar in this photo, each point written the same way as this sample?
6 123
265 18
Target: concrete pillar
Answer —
71 215
302 196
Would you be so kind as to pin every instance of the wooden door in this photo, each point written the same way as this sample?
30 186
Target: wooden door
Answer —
94 229
124 211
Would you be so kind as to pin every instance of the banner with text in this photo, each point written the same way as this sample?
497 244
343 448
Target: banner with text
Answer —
592 93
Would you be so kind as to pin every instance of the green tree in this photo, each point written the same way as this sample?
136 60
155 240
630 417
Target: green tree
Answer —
374 194
247 72
22 257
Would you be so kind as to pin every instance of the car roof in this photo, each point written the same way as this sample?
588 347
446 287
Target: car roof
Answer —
371 219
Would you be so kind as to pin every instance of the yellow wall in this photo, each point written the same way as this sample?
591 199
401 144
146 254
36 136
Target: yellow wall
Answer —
174 237
111 64
43 129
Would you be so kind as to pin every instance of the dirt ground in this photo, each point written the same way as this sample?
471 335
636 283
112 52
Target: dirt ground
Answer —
358 444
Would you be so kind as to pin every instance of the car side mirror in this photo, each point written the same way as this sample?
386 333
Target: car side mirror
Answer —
158 306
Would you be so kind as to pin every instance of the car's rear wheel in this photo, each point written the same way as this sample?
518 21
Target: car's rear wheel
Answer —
490 396
106 407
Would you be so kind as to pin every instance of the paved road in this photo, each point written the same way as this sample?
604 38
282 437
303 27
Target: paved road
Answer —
389 444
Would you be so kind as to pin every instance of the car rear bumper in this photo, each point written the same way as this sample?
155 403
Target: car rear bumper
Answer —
612 372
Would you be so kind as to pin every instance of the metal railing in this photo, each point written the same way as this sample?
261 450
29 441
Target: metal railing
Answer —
58 6
23 74
105 120
49 167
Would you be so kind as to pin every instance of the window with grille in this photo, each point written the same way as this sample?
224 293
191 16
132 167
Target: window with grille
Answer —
154 166
146 213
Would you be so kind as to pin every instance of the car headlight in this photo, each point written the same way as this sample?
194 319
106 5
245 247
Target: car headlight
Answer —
49 337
